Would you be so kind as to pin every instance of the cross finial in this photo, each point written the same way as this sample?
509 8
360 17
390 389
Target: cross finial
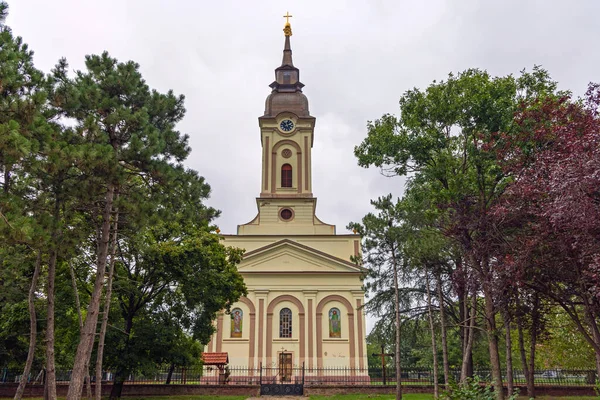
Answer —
287 29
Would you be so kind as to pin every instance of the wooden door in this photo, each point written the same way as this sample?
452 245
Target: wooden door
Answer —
285 367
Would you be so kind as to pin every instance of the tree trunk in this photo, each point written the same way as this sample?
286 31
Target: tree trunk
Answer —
100 355
524 364
84 348
531 368
32 327
118 382
50 366
88 383
397 309
533 333
591 321
509 363
436 386
490 322
470 335
119 378
443 332
464 330
170 374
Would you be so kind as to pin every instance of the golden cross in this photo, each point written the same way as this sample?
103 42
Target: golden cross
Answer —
287 17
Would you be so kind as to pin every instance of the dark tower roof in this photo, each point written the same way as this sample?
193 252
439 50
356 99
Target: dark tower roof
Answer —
286 94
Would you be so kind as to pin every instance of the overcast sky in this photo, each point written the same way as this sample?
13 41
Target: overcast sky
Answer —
356 58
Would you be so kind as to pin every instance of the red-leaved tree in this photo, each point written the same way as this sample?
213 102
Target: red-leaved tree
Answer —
554 205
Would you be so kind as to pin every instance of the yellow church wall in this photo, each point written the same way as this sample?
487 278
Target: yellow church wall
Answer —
304 344
297 282
340 246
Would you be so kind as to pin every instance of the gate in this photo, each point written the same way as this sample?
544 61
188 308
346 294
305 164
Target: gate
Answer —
282 381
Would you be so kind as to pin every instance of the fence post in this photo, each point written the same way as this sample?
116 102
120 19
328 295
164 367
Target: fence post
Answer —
383 369
260 376
302 372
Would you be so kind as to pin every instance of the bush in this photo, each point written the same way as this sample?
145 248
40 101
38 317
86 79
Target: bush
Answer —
472 389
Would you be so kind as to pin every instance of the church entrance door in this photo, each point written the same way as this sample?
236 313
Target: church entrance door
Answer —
283 380
285 367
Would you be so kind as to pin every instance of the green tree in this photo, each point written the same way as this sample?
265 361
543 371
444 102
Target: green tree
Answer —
127 130
182 277
24 157
440 141
383 235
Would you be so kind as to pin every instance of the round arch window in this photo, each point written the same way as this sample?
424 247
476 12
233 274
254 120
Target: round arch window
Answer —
286 214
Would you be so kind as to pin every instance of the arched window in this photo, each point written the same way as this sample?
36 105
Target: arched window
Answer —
285 323
335 323
286 175
237 321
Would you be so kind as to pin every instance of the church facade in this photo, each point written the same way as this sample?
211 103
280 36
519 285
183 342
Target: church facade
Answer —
305 295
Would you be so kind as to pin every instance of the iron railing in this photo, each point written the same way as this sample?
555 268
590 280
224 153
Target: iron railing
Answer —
232 375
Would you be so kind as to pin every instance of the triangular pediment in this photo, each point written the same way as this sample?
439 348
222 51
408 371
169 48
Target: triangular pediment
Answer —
289 256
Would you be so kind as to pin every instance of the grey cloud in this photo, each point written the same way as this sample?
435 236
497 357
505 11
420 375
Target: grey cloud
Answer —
355 57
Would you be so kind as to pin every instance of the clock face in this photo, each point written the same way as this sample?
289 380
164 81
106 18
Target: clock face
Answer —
286 125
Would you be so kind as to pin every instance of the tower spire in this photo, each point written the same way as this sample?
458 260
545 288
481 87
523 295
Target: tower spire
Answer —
287 48
286 94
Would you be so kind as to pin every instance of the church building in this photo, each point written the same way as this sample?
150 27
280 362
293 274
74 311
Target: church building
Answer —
305 295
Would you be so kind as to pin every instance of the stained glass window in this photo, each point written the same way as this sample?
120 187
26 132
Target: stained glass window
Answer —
335 323
237 320
285 323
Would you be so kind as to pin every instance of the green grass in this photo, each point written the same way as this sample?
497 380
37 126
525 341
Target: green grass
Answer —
423 397
411 396
155 398
336 397
186 398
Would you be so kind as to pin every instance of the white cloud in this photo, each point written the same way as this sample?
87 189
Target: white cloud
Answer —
355 57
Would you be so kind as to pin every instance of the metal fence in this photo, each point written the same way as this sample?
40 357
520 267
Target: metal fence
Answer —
232 375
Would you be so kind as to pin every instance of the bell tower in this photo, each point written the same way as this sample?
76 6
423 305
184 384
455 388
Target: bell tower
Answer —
286 203
287 132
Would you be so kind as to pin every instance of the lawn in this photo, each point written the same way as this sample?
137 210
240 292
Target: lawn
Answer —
336 397
422 397
154 398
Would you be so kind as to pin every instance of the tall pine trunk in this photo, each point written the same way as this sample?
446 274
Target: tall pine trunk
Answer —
88 383
111 269
32 327
50 392
50 366
443 332
397 310
436 386
84 349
